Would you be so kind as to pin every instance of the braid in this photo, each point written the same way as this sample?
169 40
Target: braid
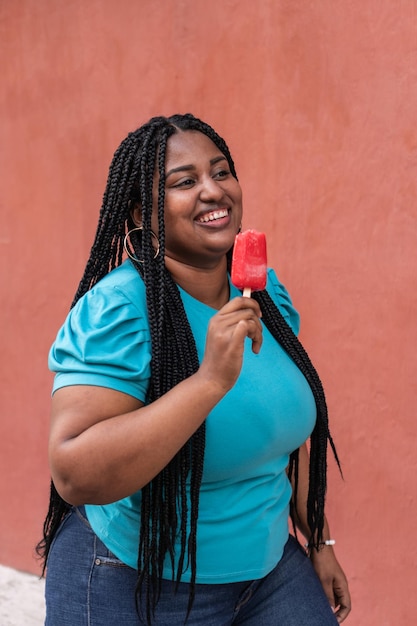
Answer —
320 436
174 358
169 505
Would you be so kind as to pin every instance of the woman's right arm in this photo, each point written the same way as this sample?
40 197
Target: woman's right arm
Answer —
105 445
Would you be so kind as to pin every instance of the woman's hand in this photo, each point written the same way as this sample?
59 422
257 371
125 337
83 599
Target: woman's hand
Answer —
324 561
333 580
227 331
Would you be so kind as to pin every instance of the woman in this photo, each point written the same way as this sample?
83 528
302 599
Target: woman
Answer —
180 413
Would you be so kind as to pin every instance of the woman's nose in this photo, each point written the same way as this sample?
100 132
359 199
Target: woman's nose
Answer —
210 190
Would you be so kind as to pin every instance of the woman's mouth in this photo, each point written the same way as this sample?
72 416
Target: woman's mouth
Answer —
212 216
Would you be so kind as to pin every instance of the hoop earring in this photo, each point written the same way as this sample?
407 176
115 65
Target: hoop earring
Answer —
128 249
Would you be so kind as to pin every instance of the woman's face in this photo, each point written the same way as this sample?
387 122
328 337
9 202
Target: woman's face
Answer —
203 201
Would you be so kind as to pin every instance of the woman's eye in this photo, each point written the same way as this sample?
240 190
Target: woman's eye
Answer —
184 183
222 174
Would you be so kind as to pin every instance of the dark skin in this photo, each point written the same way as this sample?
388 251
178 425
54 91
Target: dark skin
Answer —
98 433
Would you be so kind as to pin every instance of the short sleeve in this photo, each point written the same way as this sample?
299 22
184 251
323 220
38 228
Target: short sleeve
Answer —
282 299
105 341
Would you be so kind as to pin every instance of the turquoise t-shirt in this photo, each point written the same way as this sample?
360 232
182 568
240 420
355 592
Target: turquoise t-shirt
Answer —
245 492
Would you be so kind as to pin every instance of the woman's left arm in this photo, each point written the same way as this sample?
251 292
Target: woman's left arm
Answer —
324 561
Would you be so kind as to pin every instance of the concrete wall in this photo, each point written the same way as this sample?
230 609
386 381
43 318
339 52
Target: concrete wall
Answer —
318 101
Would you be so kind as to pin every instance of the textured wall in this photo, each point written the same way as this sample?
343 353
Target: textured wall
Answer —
318 101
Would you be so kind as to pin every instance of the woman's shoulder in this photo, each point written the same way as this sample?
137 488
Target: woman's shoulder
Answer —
105 339
118 298
122 282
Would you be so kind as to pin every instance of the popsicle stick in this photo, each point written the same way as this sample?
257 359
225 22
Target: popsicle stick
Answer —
247 292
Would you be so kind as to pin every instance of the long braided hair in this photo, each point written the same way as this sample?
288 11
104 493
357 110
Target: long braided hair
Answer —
170 501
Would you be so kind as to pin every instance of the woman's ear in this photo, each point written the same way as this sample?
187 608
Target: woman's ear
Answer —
136 214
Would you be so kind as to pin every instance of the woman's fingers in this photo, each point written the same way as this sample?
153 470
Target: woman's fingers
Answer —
228 329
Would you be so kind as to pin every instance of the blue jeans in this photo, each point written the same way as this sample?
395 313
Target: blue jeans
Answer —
86 585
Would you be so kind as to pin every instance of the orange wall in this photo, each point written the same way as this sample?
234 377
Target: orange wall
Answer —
318 101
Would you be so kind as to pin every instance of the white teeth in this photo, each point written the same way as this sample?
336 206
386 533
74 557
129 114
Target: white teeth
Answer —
216 215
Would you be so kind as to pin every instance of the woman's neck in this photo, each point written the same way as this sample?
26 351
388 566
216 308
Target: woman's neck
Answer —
208 285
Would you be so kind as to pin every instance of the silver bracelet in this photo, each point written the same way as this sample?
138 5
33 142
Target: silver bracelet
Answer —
327 542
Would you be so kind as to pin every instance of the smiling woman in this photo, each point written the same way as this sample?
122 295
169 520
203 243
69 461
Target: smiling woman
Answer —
203 209
180 413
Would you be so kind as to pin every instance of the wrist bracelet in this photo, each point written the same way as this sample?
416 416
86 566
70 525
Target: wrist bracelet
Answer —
327 542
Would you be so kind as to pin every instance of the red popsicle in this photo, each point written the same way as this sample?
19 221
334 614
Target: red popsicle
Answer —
249 262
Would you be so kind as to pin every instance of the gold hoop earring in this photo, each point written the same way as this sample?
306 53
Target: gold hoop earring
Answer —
128 249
